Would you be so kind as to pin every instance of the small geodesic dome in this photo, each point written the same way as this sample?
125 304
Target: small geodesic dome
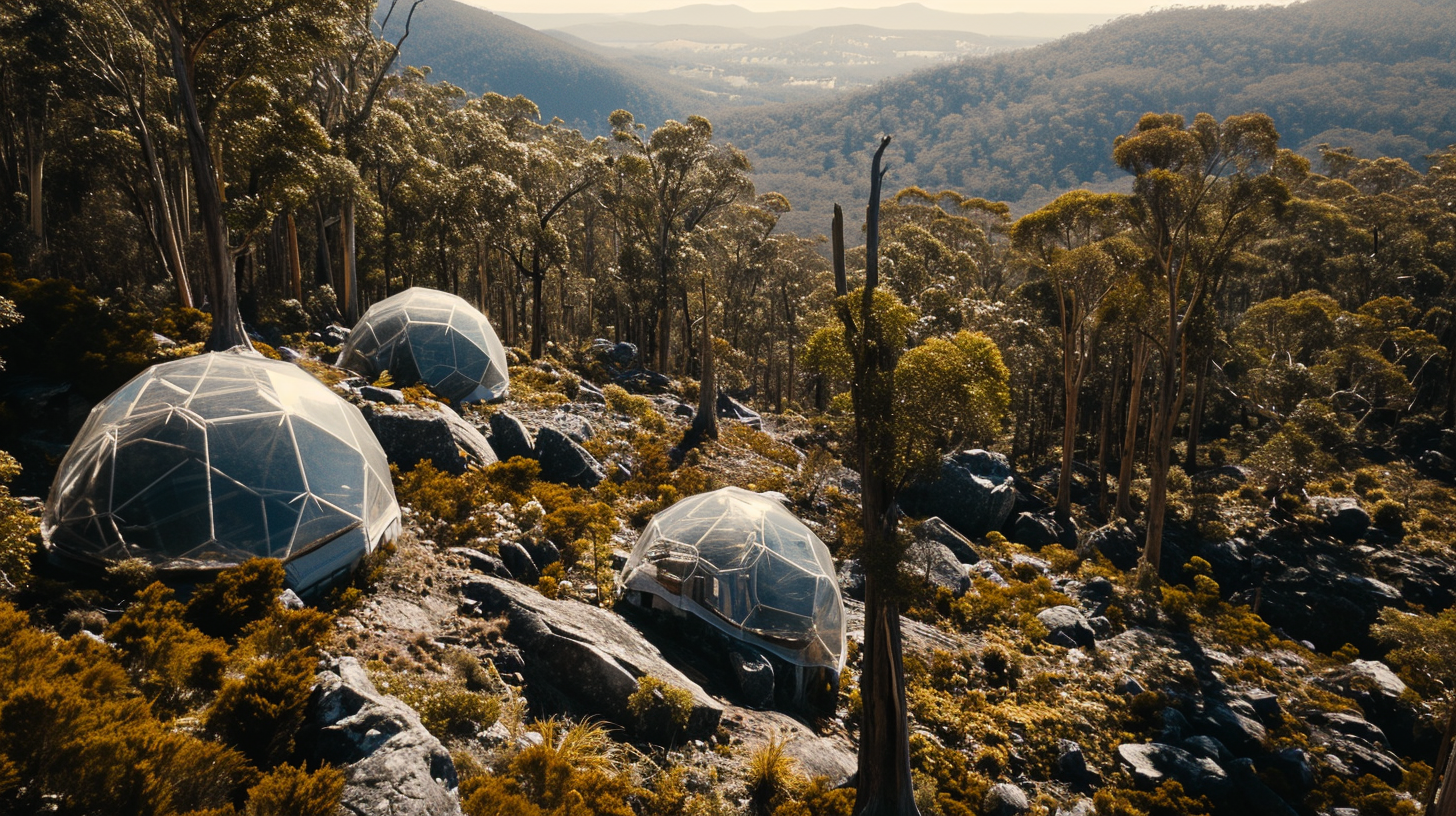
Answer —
202 463
429 336
748 566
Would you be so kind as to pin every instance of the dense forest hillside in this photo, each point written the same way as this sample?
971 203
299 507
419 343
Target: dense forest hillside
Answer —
1374 76
480 52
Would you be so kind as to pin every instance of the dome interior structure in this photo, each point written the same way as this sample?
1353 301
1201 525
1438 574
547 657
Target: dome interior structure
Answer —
205 462
749 567
425 335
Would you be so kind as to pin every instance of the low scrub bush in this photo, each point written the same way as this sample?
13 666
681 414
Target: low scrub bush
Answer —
656 699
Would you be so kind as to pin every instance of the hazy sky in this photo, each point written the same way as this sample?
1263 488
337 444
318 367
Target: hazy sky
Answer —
967 6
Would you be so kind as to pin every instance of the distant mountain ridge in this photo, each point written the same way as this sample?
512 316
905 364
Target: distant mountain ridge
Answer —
481 51
903 16
1043 119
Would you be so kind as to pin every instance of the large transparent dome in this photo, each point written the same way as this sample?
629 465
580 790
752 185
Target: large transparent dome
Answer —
748 566
429 336
205 462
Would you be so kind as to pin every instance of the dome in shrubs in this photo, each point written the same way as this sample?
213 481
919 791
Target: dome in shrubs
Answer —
433 337
203 463
746 565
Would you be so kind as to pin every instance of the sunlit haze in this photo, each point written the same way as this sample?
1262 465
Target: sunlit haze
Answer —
962 6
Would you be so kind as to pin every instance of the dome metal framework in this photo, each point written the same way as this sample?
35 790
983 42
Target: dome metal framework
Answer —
745 564
425 335
202 463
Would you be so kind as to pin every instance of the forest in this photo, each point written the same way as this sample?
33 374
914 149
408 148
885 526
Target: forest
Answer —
1026 125
1224 399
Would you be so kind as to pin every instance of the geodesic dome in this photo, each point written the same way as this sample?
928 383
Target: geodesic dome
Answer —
748 566
205 462
429 336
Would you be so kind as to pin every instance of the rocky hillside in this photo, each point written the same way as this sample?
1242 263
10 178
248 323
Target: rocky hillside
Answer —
481 666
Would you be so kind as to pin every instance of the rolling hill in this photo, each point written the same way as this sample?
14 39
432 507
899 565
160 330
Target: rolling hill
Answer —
481 51
1020 126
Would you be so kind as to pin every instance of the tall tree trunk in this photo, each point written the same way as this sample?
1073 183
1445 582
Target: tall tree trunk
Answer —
705 421
1141 351
168 231
1195 414
323 270
350 273
885 787
1071 391
227 321
538 315
1160 458
295 264
1104 434
35 172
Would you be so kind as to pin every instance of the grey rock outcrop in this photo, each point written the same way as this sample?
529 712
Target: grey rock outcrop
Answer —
543 551
1067 623
587 655
564 461
1353 725
1382 697
935 529
973 493
1239 730
483 562
509 438
411 434
575 427
1345 517
1119 542
1071 767
1005 799
934 564
392 765
1035 531
730 408
520 563
388 396
1153 763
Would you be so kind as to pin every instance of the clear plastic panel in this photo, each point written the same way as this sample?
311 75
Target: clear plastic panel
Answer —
334 472
744 563
230 456
424 335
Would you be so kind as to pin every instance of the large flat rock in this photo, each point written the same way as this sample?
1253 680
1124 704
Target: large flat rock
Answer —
392 765
590 655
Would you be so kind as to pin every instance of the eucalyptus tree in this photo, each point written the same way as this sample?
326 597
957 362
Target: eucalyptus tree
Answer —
911 403
668 185
1065 241
551 167
34 53
935 240
1199 192
348 80
214 48
127 92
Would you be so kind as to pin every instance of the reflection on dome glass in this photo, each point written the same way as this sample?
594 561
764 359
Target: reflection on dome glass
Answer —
424 335
205 462
748 566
